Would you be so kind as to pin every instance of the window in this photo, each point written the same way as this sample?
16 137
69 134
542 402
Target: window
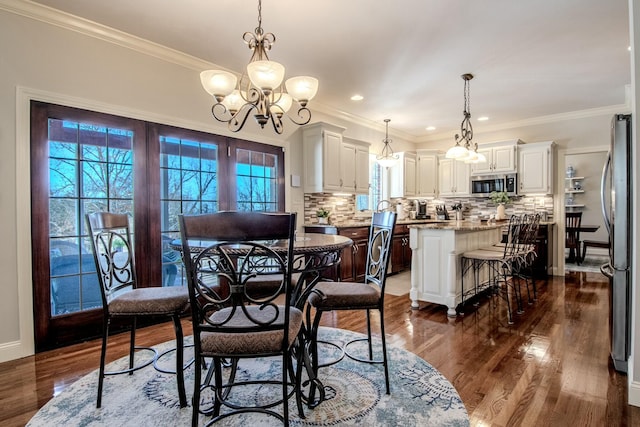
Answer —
82 162
90 169
371 200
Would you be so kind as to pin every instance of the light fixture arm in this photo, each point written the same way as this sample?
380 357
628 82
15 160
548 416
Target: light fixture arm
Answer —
466 129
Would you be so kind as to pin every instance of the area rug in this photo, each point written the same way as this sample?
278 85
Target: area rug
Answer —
355 395
591 264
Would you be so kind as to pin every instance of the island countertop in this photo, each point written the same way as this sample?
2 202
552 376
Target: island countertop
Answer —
460 225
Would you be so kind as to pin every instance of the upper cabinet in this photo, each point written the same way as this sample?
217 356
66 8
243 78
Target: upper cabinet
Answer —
501 158
453 178
427 178
331 164
354 167
402 176
535 167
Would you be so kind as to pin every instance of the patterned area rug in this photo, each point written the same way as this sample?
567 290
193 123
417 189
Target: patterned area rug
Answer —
591 264
420 395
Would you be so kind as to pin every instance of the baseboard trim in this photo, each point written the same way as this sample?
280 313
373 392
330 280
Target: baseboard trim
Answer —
13 350
634 393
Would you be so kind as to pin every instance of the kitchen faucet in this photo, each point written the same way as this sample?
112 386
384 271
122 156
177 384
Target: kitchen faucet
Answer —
381 202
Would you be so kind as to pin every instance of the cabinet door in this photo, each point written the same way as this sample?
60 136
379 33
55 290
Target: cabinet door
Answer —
504 159
427 175
534 170
406 250
409 176
462 180
348 168
397 254
362 170
484 168
360 259
446 177
346 264
331 161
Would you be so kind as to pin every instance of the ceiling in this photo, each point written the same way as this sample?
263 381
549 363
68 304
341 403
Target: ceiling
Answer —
530 59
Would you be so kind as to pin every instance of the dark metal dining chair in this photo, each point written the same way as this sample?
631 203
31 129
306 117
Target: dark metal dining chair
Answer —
233 317
122 297
367 296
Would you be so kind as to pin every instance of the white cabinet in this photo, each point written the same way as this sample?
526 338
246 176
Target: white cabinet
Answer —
453 178
501 158
402 176
427 179
535 168
354 168
331 164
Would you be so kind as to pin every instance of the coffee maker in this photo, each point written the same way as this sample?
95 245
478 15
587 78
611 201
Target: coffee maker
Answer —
421 209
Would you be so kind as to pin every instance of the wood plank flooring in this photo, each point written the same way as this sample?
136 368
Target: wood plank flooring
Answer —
550 368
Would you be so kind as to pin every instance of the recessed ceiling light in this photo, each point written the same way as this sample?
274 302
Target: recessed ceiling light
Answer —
357 98
431 128
483 119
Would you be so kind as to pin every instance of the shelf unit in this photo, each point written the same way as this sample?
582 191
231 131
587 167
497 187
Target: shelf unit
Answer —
573 186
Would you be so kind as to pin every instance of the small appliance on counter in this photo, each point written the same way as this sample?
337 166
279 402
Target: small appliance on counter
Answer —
421 209
441 212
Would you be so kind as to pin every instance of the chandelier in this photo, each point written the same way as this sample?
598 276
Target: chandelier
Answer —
465 149
259 91
386 158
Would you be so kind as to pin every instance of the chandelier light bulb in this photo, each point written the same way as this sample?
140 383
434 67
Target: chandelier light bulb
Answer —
302 88
218 83
266 75
282 105
234 101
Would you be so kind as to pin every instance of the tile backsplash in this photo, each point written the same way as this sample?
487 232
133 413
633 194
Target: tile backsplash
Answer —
342 208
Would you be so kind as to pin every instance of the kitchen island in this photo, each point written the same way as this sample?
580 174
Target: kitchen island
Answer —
435 262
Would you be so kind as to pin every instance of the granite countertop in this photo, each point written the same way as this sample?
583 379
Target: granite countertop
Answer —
367 223
427 223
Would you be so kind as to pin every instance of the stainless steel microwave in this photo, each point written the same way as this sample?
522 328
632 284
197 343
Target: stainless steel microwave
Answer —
483 186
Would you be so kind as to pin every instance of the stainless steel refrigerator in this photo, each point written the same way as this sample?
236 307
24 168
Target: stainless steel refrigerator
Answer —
616 196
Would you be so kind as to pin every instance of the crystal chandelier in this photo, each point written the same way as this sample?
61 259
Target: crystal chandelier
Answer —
466 150
386 158
260 90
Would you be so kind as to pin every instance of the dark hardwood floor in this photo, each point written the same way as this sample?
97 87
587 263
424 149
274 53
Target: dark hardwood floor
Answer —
550 368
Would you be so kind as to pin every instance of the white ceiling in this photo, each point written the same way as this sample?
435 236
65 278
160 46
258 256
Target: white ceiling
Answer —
530 58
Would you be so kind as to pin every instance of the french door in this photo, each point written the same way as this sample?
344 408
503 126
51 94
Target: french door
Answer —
84 161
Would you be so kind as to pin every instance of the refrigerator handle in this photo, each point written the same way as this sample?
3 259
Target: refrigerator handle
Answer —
603 192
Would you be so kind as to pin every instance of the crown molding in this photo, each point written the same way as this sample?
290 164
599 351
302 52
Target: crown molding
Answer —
89 28
553 118
96 30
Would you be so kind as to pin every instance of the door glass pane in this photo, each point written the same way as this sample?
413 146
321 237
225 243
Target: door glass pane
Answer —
189 185
256 180
90 169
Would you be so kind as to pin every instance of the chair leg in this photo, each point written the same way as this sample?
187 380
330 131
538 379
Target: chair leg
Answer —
103 353
369 334
385 359
285 389
132 344
195 401
180 360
